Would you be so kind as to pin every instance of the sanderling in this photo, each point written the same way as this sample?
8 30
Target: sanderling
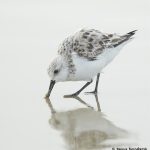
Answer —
83 55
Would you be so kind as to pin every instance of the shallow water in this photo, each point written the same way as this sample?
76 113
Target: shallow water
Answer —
87 128
30 33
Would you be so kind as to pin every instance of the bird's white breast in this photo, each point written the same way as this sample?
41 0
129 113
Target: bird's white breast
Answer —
86 70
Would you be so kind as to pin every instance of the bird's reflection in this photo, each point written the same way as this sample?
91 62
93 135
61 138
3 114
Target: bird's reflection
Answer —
85 128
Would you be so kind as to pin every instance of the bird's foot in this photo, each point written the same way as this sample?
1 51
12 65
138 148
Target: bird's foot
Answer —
71 95
93 92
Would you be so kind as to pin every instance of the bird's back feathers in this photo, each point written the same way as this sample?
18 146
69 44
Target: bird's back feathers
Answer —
90 43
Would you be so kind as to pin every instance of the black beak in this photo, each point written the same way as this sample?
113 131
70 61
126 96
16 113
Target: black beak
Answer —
52 83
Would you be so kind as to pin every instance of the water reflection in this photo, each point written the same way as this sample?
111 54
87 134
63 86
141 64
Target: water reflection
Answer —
85 128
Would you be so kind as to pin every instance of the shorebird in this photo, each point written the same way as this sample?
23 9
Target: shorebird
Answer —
83 55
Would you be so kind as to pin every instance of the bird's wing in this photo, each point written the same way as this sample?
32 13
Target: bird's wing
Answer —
91 43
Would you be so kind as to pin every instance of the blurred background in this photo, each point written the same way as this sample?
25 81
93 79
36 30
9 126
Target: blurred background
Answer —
30 32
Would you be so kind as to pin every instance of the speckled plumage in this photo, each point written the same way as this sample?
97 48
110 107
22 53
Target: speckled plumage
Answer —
83 55
89 43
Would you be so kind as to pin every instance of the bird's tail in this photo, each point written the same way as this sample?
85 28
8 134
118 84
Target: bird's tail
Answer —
125 38
130 34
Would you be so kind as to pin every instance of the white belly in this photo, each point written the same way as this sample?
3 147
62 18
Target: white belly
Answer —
86 70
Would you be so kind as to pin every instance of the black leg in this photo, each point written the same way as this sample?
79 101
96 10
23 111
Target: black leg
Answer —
96 86
78 92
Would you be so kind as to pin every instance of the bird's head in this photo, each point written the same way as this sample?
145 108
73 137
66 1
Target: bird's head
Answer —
57 71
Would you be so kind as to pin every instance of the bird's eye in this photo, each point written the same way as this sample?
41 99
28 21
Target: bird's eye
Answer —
55 71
